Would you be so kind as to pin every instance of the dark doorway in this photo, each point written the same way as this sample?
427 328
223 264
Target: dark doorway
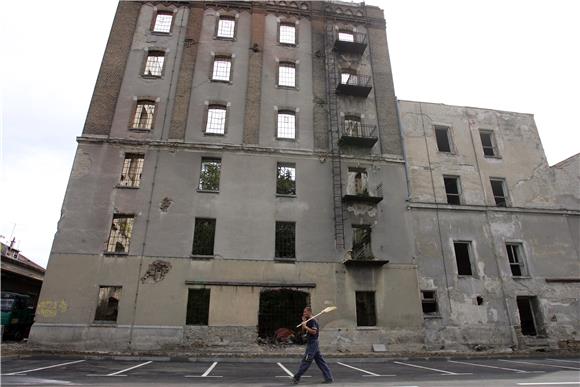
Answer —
280 312
527 319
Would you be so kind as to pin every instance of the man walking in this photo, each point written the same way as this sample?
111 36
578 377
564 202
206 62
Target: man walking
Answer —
312 350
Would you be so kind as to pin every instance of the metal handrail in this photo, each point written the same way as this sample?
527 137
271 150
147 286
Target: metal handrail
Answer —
358 37
356 80
356 129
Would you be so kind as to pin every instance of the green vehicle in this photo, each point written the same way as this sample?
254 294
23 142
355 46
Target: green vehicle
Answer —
17 315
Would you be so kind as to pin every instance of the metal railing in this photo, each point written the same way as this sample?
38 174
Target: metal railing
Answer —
358 130
358 80
351 37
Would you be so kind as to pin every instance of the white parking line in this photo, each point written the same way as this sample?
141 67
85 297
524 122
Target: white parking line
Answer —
125 370
567 361
369 373
499 368
443 372
541 364
290 374
43 368
206 374
549 384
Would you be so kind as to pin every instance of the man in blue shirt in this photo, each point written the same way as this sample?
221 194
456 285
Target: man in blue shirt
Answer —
312 350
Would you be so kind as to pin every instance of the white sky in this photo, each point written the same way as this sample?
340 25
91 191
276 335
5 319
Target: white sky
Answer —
512 55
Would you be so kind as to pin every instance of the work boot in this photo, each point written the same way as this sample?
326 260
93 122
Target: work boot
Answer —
328 381
295 380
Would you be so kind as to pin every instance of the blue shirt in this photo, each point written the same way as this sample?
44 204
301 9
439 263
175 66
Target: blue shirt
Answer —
312 324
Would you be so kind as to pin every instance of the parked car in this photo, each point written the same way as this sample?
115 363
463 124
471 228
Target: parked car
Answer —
17 315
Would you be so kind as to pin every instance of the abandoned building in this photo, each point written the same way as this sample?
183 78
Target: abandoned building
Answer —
241 160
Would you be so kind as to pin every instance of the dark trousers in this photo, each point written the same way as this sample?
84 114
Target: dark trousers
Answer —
312 353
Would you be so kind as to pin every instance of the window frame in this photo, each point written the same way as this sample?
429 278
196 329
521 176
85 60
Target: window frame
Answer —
209 160
215 106
368 247
143 101
520 258
125 171
287 24
374 309
277 242
200 250
493 141
505 196
234 30
470 257
290 113
96 314
222 58
127 249
449 138
154 22
433 300
149 53
287 64
282 164
459 190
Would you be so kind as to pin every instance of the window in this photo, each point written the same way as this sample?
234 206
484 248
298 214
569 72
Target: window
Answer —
287 74
488 143
120 235
144 114
286 179
429 303
226 27
287 33
361 242
365 309
132 169
462 257
498 188
352 126
216 119
442 137
209 178
108 304
346 36
530 317
286 124
348 77
154 63
163 22
285 240
516 259
197 307
203 236
357 182
452 189
222 66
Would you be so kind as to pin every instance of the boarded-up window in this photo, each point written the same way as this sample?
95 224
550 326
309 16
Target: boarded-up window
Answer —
197 307
365 309
203 236
108 303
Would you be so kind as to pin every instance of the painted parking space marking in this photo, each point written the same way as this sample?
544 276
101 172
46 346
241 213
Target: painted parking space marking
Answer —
566 361
541 364
441 372
498 368
549 384
119 373
368 373
288 373
42 368
207 373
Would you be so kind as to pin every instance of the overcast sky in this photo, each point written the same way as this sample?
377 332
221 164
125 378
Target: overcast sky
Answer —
512 55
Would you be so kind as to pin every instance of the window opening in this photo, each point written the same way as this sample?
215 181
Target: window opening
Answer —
197 307
209 178
365 309
452 189
108 303
120 235
132 170
285 240
462 256
279 312
286 179
203 236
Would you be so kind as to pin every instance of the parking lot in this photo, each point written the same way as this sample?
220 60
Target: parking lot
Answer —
50 371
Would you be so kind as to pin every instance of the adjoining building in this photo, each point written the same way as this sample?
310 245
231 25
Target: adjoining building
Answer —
20 274
241 160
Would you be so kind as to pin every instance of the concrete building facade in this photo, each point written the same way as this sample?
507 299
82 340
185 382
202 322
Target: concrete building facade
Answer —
241 160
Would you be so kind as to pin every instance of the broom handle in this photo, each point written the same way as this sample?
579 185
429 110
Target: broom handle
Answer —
304 322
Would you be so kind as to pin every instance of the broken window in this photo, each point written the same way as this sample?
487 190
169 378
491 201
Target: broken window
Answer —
222 66
132 169
286 124
163 22
488 143
286 179
365 309
287 74
226 27
516 259
530 318
279 312
197 307
429 303
443 140
287 33
120 235
108 303
144 113
352 126
358 182
499 195
203 236
345 36
361 242
209 178
216 119
462 256
285 240
452 189
154 63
